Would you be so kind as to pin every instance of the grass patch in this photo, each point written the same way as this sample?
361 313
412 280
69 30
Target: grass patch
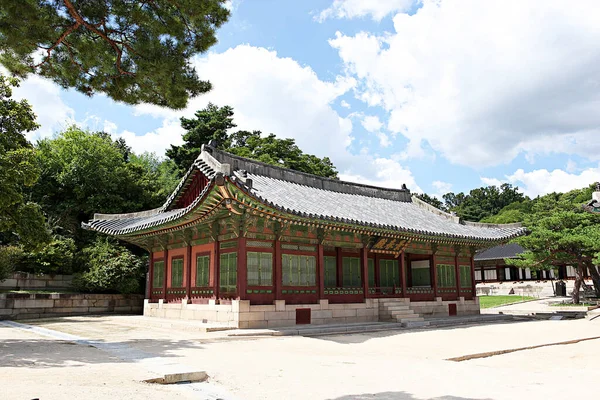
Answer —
495 301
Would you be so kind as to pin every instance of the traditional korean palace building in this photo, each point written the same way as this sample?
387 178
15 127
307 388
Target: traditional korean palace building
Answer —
253 245
491 266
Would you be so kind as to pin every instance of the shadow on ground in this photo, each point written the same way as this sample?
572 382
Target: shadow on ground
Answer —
398 396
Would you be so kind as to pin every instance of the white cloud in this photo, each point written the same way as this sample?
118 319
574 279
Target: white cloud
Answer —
377 9
441 188
52 113
483 81
491 181
383 172
541 181
372 123
275 95
156 141
571 166
344 104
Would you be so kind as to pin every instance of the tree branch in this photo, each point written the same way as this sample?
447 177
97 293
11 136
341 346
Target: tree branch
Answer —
94 29
59 41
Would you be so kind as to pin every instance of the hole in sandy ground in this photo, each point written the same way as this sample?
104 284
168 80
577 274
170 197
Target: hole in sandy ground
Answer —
500 352
183 377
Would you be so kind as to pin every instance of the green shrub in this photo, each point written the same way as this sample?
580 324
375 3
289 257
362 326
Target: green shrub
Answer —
57 257
111 268
9 257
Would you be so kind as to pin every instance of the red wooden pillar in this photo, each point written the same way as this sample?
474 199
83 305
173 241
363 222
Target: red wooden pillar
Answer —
457 273
321 269
150 277
434 275
277 264
242 270
166 275
216 279
364 263
376 270
339 267
403 274
189 274
473 288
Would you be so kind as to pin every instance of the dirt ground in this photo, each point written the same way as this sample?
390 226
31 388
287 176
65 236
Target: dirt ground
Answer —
384 365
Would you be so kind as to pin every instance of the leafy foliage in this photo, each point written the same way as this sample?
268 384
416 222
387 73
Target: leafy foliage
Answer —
56 257
9 257
482 202
214 123
562 233
21 221
84 172
132 51
111 268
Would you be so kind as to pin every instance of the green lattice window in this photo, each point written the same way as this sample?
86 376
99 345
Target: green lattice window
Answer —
177 272
158 274
260 268
202 271
228 272
465 276
421 275
330 271
297 270
446 275
389 273
351 272
371 268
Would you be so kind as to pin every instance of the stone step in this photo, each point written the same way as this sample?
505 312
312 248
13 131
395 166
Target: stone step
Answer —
395 308
405 316
402 312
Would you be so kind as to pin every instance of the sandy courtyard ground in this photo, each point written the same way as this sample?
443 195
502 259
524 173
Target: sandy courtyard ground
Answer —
383 365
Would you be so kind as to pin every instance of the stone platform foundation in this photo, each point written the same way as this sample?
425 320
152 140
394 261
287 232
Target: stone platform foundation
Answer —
240 314
46 305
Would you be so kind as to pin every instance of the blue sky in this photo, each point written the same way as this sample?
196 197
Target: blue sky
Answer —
440 95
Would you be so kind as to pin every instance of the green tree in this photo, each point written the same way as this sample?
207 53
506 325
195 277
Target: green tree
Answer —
84 172
210 123
133 51
111 268
21 221
483 202
562 233
214 122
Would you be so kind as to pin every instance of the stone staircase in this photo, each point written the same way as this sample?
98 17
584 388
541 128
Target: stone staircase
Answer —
398 310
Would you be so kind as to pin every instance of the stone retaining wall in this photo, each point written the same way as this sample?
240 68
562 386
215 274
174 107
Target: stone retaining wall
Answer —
240 314
27 281
25 305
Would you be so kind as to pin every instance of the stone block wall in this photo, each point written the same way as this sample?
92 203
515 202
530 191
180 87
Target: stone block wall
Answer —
27 281
439 308
29 306
240 314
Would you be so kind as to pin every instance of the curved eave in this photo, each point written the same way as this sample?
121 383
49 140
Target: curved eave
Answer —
103 226
516 232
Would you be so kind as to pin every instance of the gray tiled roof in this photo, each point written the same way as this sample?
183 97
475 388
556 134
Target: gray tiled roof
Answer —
510 250
370 211
314 197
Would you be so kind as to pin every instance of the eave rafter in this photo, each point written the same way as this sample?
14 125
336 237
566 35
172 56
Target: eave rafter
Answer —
229 199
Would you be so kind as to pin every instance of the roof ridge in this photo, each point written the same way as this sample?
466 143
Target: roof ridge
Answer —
238 163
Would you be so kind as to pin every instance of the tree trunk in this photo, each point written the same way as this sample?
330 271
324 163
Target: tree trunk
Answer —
595 278
575 295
